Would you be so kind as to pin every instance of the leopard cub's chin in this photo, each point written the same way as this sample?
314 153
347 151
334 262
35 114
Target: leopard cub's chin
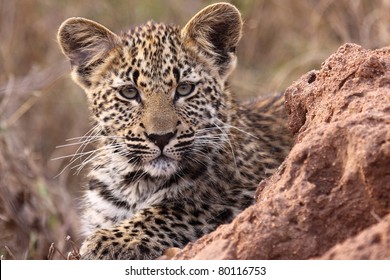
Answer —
161 167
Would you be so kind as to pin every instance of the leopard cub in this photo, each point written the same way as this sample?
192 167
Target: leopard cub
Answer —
176 155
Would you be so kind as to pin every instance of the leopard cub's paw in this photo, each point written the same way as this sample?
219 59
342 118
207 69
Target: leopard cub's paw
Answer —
112 244
100 245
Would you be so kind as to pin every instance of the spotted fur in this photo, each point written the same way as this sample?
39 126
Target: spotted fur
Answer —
176 155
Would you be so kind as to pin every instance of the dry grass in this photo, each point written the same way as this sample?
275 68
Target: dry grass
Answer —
40 107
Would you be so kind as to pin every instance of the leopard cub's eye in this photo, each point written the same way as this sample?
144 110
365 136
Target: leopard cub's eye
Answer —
184 89
129 92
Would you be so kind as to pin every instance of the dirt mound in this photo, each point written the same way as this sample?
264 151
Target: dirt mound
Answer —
372 243
336 181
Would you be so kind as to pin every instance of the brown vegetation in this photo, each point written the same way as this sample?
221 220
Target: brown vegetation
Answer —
40 107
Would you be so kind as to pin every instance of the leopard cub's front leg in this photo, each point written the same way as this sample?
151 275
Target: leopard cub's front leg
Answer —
149 233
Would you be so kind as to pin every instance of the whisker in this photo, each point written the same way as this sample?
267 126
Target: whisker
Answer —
76 158
239 129
92 157
93 136
74 155
230 144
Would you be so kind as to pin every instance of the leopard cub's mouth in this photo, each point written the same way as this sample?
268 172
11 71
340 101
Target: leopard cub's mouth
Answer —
161 166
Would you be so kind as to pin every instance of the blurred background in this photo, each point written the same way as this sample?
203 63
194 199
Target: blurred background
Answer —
40 107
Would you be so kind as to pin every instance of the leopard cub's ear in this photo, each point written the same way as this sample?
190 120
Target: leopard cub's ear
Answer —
84 41
215 31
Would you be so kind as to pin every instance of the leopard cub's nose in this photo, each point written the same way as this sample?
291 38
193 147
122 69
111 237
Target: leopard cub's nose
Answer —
160 140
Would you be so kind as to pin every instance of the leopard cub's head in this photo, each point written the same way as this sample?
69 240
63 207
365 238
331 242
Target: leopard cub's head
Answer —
156 92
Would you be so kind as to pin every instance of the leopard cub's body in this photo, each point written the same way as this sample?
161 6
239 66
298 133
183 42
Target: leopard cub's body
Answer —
176 156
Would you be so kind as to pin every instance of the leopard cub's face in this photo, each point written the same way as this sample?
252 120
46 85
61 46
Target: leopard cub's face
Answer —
156 92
